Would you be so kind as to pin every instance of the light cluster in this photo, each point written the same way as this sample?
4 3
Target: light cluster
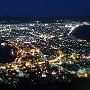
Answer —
45 52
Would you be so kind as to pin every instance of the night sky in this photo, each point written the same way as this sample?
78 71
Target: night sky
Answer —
45 8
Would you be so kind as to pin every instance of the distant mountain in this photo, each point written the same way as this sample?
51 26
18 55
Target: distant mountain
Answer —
13 19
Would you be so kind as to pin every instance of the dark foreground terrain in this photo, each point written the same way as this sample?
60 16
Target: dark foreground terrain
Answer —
77 84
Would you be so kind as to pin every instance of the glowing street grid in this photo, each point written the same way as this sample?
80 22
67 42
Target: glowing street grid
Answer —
45 52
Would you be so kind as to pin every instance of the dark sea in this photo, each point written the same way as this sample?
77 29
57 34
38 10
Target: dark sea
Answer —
5 52
82 32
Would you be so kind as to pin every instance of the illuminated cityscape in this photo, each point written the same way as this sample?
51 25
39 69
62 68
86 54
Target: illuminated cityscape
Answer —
44 52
